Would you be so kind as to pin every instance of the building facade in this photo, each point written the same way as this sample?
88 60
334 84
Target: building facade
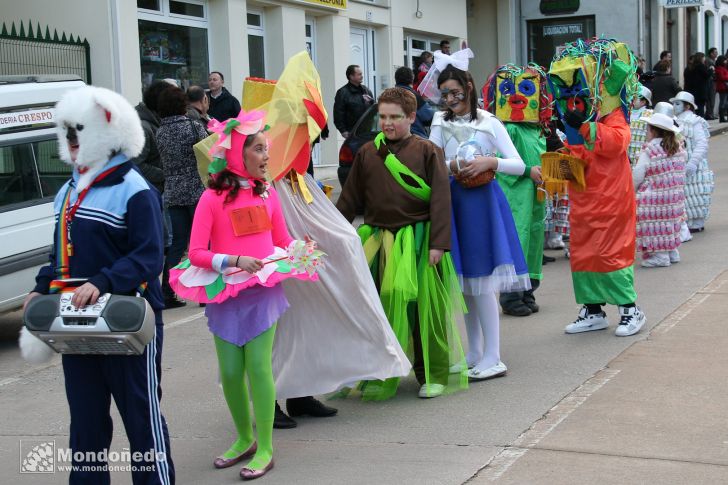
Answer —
134 43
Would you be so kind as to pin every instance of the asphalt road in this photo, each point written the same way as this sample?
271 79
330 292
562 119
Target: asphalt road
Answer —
401 441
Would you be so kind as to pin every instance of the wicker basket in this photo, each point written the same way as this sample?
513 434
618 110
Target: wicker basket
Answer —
563 167
476 180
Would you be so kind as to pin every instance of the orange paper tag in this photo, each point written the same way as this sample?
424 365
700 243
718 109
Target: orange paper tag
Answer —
250 220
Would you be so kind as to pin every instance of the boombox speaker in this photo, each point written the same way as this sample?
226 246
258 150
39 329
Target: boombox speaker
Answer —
114 325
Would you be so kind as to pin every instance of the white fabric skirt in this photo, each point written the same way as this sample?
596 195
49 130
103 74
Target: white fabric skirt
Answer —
335 332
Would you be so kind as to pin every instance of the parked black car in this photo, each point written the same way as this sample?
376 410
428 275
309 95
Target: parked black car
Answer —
365 130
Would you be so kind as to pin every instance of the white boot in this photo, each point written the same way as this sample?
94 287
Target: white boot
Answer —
674 256
685 235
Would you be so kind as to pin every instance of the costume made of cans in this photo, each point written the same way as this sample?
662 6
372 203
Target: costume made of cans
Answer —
597 79
518 96
638 130
700 184
660 199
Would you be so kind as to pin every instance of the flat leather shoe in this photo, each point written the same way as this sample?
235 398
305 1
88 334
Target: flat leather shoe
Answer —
282 421
308 406
498 370
221 462
249 474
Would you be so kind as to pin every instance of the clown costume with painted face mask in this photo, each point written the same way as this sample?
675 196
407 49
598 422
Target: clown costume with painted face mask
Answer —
519 98
593 84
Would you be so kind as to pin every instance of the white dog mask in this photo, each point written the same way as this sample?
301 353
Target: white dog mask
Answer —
94 124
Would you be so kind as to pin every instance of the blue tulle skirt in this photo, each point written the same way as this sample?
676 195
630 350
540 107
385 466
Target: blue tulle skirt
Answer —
485 247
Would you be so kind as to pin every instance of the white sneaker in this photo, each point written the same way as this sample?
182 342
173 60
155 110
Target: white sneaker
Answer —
587 322
674 256
497 370
555 242
631 322
431 390
656 260
461 366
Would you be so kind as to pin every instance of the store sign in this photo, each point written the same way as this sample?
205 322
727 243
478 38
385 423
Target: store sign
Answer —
563 29
25 118
553 7
681 3
340 4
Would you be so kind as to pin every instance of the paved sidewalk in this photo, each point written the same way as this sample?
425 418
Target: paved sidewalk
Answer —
656 414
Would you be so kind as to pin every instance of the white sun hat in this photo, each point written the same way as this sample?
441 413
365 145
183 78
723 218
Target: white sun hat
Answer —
659 120
685 97
646 93
664 108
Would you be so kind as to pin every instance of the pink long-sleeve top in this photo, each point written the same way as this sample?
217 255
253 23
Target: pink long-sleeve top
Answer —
212 228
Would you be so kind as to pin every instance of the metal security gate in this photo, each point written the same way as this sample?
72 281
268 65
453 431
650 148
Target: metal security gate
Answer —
36 52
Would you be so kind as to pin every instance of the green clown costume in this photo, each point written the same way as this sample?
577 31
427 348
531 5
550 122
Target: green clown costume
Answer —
519 98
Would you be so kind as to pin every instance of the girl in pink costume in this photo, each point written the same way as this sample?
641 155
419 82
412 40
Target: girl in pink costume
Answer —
237 260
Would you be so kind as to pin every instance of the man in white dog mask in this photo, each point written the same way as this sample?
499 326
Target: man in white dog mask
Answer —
109 232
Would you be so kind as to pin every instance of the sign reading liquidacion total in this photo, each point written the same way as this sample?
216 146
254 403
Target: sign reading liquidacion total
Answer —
25 118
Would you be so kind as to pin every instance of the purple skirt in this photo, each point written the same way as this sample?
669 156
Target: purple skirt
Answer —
240 319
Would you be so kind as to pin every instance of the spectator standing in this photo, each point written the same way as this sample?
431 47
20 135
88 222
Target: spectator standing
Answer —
351 101
445 46
182 184
148 161
696 76
198 104
710 102
663 85
223 105
404 76
426 59
721 87
664 56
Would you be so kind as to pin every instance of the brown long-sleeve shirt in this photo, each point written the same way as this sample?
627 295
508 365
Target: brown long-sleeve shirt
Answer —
386 204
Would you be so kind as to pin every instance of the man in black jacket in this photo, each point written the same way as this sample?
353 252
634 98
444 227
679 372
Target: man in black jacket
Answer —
351 101
223 105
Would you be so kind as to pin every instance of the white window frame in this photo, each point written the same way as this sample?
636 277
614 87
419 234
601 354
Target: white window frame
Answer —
311 21
163 15
258 31
411 52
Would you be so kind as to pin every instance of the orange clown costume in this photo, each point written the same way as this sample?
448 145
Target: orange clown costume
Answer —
593 83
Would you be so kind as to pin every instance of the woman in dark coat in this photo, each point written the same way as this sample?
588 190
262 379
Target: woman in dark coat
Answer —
182 184
663 85
696 81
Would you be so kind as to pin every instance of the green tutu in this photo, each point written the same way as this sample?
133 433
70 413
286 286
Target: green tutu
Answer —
420 301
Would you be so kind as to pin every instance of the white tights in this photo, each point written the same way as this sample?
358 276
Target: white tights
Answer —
482 323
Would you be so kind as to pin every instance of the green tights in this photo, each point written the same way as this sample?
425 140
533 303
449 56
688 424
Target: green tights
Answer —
254 359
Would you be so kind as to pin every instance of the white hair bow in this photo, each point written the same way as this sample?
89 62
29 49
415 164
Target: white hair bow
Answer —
460 59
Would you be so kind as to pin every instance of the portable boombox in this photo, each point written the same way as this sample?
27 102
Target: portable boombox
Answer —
114 325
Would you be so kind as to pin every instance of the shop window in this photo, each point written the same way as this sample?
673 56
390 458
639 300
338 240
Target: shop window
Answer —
546 37
173 51
256 44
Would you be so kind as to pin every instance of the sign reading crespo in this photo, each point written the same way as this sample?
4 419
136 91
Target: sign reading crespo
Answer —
340 4
681 3
24 118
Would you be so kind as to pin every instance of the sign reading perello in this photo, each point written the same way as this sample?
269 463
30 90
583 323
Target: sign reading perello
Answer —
25 118
681 3
551 30
340 4
553 7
